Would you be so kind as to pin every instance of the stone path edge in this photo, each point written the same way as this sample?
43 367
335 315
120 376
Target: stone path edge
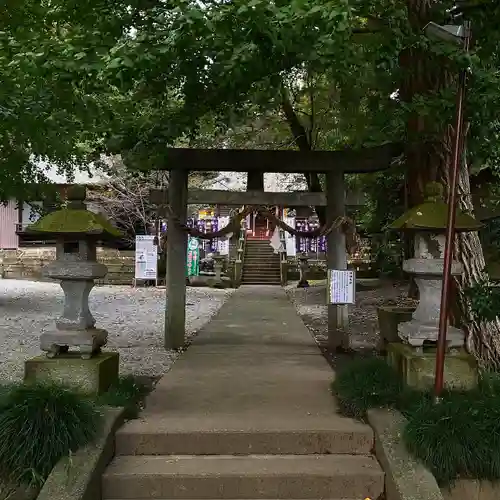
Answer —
405 477
79 477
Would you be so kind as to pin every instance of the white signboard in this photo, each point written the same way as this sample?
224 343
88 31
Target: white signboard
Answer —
223 243
290 242
341 286
146 258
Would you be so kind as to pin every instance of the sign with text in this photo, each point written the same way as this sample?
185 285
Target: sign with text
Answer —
290 240
146 258
223 243
193 257
341 286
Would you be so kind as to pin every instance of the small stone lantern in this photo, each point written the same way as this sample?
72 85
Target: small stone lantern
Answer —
303 268
428 222
77 232
218 265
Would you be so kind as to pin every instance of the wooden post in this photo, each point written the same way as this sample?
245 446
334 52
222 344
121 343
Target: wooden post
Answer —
175 313
336 257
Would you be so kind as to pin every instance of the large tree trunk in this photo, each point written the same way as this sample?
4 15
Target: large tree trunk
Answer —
483 338
421 76
424 158
429 160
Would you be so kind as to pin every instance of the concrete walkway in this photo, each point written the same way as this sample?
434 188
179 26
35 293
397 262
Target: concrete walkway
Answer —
255 360
252 384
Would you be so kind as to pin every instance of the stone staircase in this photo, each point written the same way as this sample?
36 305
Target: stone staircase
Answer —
246 413
261 266
327 458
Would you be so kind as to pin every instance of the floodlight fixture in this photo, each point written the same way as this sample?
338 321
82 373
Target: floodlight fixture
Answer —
450 33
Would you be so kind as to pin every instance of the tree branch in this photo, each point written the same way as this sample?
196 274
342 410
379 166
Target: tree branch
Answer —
301 139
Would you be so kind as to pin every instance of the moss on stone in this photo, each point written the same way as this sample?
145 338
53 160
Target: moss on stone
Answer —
68 220
433 215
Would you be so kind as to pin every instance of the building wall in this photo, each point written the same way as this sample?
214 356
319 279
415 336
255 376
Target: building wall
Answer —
28 263
9 217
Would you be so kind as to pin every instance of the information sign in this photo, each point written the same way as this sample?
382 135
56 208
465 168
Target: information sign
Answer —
146 258
341 286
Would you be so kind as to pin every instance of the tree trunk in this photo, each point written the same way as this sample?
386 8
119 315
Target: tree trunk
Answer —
483 338
303 143
430 160
424 158
422 75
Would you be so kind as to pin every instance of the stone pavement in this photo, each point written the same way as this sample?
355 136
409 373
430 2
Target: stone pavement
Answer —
245 413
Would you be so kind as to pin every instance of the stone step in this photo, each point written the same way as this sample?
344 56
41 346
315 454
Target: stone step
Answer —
258 254
260 283
264 277
261 269
257 262
262 264
259 277
307 435
266 263
262 255
249 477
274 259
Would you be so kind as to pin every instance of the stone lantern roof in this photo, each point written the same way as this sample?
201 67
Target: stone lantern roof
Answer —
75 220
432 215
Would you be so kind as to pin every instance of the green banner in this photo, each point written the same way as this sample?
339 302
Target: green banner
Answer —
193 257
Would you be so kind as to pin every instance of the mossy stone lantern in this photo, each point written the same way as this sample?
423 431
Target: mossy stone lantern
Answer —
77 232
428 222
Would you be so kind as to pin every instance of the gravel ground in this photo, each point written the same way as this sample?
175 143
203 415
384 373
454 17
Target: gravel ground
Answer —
133 317
363 322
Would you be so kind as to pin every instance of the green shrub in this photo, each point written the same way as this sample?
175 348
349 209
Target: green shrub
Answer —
458 437
128 393
39 424
366 383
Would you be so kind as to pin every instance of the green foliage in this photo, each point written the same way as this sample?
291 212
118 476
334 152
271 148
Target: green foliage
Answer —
135 77
128 393
484 299
366 383
39 424
384 193
458 437
387 255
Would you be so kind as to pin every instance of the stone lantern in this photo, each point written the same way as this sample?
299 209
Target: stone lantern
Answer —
303 268
77 232
428 223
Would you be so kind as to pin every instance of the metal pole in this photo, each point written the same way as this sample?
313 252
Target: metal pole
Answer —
450 229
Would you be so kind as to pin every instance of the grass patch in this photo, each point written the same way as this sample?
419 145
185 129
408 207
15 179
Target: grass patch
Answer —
456 438
42 423
39 424
366 383
129 392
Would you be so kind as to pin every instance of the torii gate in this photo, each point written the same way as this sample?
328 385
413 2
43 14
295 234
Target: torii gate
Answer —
334 164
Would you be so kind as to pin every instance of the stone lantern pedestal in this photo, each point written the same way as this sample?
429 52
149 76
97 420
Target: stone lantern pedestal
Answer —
303 268
73 346
75 328
415 356
218 281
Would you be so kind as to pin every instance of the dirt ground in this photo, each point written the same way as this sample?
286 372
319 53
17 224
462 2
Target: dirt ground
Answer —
363 323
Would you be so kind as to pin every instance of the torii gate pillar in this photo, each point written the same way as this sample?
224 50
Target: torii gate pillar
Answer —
175 312
336 257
